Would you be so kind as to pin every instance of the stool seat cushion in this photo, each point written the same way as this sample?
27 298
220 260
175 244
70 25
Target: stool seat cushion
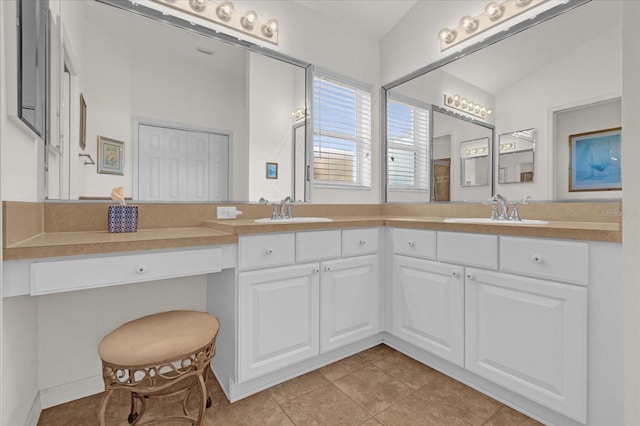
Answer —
157 338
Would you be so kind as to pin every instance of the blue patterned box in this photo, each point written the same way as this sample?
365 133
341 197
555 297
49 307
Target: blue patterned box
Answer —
123 219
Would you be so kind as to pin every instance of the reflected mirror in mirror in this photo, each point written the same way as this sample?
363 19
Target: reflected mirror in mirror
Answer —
527 79
515 156
199 117
474 162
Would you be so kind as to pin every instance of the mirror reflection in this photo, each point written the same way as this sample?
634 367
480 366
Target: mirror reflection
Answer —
534 79
197 119
474 168
515 156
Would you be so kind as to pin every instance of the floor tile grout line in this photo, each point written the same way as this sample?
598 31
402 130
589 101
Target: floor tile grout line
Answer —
282 408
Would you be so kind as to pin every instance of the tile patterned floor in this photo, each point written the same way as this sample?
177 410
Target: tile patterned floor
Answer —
377 386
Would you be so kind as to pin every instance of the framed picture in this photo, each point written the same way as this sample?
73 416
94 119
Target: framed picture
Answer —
83 122
272 170
595 160
110 156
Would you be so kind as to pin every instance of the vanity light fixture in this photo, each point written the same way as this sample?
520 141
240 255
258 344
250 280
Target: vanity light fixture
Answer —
299 114
225 14
507 146
465 105
494 13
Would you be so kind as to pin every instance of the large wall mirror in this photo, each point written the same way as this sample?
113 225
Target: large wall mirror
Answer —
543 80
169 112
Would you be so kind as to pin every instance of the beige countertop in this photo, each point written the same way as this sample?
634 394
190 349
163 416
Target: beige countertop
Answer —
95 242
37 238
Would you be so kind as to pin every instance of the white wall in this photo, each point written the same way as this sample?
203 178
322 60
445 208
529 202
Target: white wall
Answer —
568 82
271 101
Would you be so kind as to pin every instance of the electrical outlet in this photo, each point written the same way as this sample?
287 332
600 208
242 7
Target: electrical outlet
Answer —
227 212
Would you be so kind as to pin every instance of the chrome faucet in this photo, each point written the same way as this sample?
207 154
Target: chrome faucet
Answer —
274 213
285 208
496 200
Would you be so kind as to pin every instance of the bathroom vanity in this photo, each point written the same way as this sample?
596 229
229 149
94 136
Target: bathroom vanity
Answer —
511 310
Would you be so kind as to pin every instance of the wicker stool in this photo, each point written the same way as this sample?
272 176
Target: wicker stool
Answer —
159 355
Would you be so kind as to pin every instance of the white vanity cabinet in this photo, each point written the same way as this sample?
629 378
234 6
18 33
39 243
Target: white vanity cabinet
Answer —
512 310
324 293
428 306
278 318
530 336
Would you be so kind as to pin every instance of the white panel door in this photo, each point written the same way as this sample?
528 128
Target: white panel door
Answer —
529 336
218 167
175 165
428 306
182 165
197 166
278 314
150 162
350 301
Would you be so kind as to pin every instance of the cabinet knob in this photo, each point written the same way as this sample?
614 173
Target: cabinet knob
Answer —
412 244
316 270
327 268
454 273
469 276
536 258
362 242
141 269
269 251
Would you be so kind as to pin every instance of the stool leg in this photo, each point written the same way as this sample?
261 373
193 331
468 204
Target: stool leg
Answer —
206 377
133 414
203 400
103 407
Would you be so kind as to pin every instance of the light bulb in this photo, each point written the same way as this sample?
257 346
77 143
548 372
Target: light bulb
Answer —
493 10
249 19
270 28
225 10
446 35
489 111
469 24
522 3
456 100
198 5
471 106
463 103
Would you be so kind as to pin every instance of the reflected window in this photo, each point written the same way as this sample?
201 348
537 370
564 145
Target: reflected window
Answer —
341 132
407 128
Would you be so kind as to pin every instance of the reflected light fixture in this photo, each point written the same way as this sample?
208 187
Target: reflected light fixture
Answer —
299 114
225 14
494 13
467 106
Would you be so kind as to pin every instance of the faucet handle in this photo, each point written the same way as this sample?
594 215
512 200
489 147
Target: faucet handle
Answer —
526 200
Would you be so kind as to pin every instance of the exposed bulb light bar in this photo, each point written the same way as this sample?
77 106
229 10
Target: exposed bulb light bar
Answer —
225 14
299 114
494 14
467 106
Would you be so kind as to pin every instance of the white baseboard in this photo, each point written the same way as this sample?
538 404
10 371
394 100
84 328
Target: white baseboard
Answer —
71 391
34 412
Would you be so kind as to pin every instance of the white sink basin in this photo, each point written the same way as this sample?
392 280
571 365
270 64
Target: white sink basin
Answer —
300 219
486 220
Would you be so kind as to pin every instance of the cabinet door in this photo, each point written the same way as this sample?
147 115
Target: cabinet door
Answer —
428 306
350 301
278 317
529 336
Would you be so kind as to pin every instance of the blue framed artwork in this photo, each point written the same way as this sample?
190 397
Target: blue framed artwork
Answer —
595 161
272 170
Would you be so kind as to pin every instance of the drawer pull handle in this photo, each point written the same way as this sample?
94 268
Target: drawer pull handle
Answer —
454 273
412 244
269 251
362 242
536 258
141 269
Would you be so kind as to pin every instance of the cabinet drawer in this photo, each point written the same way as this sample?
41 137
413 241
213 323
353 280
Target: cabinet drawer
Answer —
415 243
317 245
557 260
76 274
259 251
357 242
468 249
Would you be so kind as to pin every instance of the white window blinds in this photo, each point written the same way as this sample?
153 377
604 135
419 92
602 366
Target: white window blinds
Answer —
407 134
341 132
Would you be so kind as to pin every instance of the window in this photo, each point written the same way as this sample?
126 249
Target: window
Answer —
407 125
341 132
